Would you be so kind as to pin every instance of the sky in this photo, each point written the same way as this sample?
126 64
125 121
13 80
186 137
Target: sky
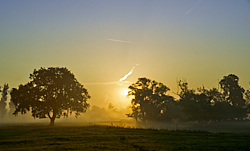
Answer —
102 41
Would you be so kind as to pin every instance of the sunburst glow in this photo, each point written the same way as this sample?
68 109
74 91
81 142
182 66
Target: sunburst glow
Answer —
125 92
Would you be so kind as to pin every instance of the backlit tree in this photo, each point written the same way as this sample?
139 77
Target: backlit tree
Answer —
150 99
52 92
232 90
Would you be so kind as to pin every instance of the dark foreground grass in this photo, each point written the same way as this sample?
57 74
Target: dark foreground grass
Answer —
115 138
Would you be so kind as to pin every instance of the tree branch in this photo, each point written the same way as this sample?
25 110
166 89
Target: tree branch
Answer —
49 116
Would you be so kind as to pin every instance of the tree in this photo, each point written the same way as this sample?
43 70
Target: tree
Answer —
213 94
3 103
209 105
149 100
247 98
51 93
231 89
184 91
195 106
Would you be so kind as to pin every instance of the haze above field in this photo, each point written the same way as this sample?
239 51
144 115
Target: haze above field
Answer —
102 41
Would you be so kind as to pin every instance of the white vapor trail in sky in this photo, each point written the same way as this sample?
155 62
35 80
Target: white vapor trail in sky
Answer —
193 7
116 40
120 82
106 98
130 72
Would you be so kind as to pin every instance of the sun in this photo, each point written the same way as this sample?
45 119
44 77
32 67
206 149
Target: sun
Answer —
125 92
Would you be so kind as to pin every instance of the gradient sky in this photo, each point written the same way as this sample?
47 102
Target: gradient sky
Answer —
101 41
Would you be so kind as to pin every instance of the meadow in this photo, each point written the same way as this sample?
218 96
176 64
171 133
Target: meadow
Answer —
103 137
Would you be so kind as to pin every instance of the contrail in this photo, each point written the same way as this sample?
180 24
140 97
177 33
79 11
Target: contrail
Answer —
106 98
193 7
120 41
130 72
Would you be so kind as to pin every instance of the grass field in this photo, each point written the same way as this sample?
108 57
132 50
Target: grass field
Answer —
96 137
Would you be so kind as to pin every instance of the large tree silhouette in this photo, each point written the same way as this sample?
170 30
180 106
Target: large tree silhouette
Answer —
231 89
149 100
52 92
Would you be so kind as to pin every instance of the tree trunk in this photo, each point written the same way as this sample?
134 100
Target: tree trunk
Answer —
52 119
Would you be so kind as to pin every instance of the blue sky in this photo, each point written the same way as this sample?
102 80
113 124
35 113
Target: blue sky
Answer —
101 41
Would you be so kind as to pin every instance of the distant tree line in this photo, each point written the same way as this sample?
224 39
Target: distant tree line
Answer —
151 103
55 92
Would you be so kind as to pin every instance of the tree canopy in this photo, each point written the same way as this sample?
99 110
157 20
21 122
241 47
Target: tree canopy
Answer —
231 89
151 102
52 92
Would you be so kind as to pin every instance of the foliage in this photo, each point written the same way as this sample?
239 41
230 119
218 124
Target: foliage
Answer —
150 98
194 105
214 95
51 93
247 96
232 90
5 92
203 105
184 91
3 103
